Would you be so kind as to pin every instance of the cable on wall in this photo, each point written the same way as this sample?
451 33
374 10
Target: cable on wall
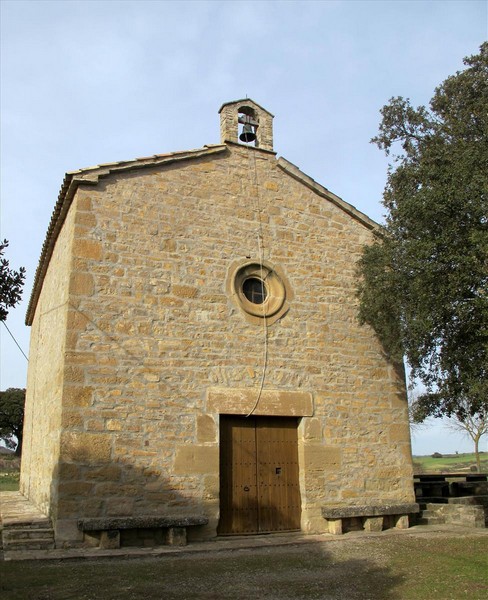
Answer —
251 153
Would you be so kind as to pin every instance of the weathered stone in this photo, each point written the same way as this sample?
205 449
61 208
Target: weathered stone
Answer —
196 459
318 457
140 345
131 522
206 429
402 522
86 447
177 536
373 524
270 402
335 526
330 512
81 284
110 539
85 248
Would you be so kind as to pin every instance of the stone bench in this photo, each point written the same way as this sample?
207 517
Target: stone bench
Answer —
107 529
372 516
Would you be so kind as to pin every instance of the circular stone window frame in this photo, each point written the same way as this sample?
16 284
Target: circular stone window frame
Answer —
277 288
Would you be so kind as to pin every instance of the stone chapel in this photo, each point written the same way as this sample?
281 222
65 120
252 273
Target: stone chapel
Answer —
196 363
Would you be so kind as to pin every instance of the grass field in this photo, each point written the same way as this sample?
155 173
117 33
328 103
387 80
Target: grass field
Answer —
9 482
449 463
9 473
387 567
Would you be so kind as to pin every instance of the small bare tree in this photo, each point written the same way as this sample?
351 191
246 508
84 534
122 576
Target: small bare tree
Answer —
416 418
475 426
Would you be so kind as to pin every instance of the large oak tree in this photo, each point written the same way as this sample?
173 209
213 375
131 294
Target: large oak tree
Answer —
424 280
12 403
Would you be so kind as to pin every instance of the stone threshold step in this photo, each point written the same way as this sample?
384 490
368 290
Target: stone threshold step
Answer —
27 534
18 546
431 521
9 523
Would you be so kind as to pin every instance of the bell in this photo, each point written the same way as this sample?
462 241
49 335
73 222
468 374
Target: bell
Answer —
247 134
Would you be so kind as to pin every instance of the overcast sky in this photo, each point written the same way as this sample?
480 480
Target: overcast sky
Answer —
88 82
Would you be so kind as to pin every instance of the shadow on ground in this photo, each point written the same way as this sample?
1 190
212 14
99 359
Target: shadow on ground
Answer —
285 573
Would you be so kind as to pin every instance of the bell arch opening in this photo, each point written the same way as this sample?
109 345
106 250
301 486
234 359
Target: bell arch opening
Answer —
248 125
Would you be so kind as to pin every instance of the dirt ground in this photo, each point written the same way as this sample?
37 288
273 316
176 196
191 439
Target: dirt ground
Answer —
416 565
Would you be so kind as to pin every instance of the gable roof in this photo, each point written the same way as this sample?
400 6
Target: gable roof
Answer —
92 175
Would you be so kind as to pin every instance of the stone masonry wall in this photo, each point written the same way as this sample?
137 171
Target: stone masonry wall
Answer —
42 421
153 339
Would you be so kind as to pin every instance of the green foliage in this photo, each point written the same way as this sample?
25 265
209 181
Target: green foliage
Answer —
12 403
425 278
11 283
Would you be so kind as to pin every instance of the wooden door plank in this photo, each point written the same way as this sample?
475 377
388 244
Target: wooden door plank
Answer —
279 492
238 492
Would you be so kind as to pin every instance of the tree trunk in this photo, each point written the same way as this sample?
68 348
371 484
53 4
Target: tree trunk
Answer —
18 450
477 453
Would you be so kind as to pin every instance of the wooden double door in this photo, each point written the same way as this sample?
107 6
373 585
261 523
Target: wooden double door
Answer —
259 476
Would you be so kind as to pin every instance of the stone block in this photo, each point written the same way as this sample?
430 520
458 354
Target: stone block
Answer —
206 429
83 202
318 457
119 507
77 321
184 291
85 447
72 420
74 489
335 526
271 402
68 471
400 432
110 540
211 486
373 524
85 219
90 249
196 460
177 536
313 429
74 374
81 284
77 396
402 522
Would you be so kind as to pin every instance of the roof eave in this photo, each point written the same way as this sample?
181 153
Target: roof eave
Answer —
303 178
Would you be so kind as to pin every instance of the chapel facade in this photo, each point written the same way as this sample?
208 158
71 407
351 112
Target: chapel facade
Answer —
196 358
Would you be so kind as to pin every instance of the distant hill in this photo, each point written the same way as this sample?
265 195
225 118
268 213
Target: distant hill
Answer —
449 463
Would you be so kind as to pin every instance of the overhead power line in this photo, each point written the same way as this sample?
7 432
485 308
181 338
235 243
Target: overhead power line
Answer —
16 342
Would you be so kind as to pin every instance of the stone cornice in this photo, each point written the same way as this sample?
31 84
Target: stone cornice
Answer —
295 172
